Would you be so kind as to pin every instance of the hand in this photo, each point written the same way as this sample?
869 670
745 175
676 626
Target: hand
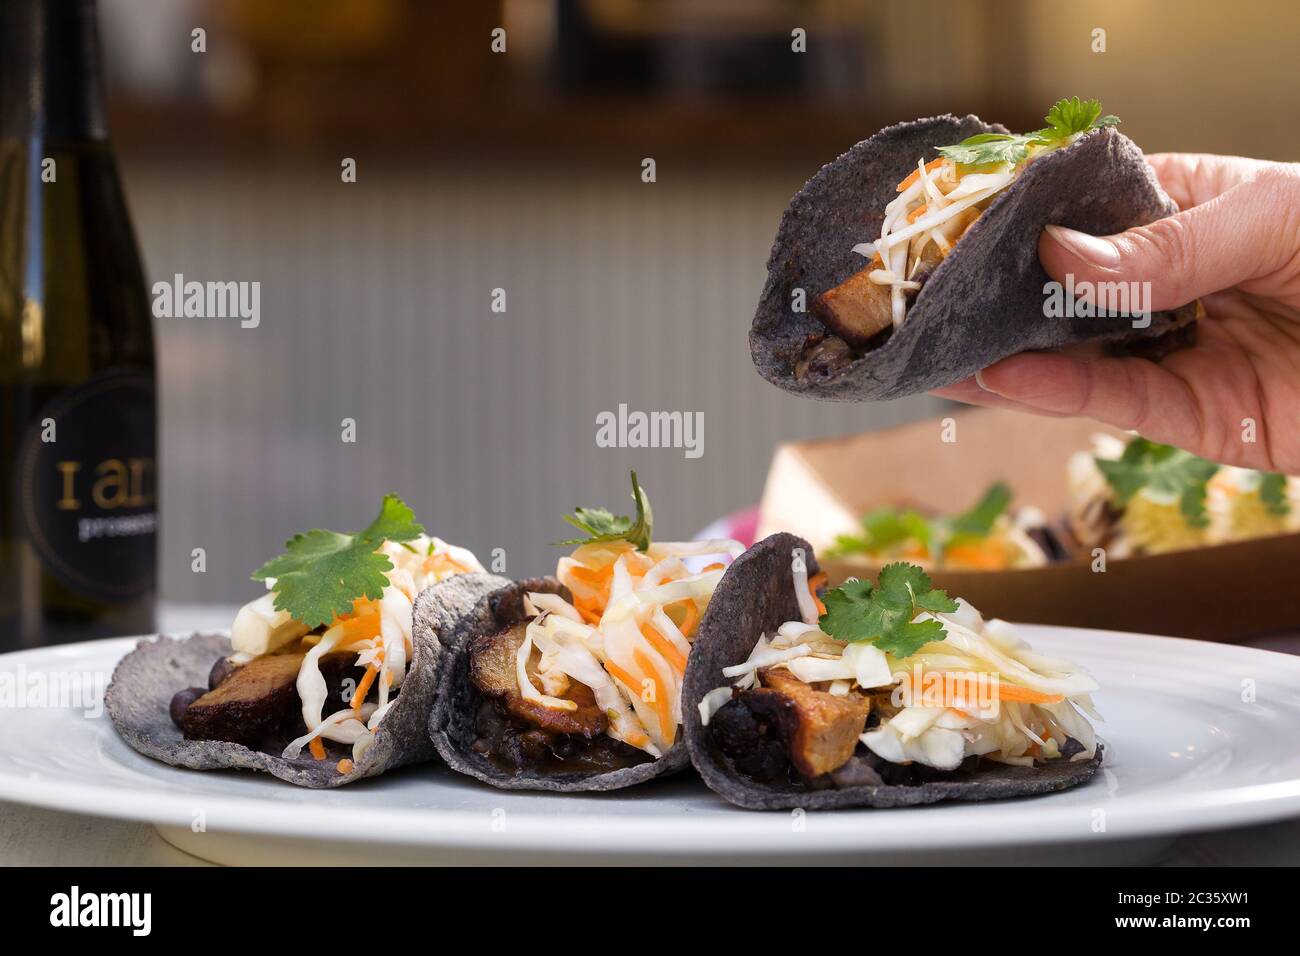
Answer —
1236 247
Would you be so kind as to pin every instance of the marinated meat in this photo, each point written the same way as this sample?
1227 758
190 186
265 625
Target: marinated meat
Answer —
258 701
822 728
857 310
514 744
787 726
492 669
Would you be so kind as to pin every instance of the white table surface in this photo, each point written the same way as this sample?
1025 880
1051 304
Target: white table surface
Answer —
34 837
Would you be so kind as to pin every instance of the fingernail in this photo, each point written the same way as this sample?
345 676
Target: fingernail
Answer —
1092 250
979 380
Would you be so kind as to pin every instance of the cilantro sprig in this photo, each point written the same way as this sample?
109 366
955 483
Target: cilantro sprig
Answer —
885 528
1272 492
882 613
1164 470
978 520
1065 119
323 572
599 524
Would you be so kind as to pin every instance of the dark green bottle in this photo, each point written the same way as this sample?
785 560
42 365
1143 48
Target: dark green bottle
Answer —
78 407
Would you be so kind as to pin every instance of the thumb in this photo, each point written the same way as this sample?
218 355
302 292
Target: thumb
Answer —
1210 247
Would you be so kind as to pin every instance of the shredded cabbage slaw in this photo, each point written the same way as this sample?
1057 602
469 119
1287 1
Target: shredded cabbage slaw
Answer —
981 691
626 633
937 202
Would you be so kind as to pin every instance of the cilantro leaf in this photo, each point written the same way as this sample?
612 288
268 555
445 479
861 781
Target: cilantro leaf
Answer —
322 572
882 529
1272 491
859 611
1065 119
986 149
603 525
1071 116
978 520
1165 471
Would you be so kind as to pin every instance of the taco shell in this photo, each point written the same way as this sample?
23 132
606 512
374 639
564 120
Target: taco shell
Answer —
755 597
139 695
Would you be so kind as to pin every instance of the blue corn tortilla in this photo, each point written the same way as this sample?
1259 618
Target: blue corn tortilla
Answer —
451 725
755 597
140 693
984 302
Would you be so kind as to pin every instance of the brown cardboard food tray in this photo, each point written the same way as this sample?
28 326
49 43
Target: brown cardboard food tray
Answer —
1225 592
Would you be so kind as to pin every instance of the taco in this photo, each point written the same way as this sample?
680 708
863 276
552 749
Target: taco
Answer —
988 536
1137 497
327 678
574 682
883 695
896 271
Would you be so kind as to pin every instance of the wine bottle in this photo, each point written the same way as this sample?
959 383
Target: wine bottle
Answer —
78 407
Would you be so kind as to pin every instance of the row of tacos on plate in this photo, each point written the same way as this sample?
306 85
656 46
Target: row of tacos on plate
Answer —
638 657
387 647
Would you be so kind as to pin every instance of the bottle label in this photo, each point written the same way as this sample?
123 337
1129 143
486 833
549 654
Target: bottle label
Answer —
87 486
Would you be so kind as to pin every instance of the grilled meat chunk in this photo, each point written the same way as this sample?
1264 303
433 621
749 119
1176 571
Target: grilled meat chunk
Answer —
258 701
857 310
822 728
492 670
787 725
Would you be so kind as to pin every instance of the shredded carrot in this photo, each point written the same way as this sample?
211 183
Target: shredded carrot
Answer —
345 765
690 616
716 566
596 578
589 613
317 748
364 605
916 213
818 580
985 558
1015 694
594 590
930 167
661 644
441 563
363 688
360 628
632 683
662 705
961 688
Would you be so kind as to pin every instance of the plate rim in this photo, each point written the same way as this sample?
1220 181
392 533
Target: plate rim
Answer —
744 833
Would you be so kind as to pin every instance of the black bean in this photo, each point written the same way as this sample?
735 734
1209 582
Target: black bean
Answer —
222 669
181 702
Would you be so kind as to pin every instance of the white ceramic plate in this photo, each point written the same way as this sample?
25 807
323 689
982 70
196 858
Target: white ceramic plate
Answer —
1199 736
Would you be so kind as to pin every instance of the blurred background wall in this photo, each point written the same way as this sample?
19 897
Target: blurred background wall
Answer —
522 171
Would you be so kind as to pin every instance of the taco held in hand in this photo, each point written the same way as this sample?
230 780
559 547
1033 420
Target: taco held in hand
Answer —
885 694
919 270
574 682
321 680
